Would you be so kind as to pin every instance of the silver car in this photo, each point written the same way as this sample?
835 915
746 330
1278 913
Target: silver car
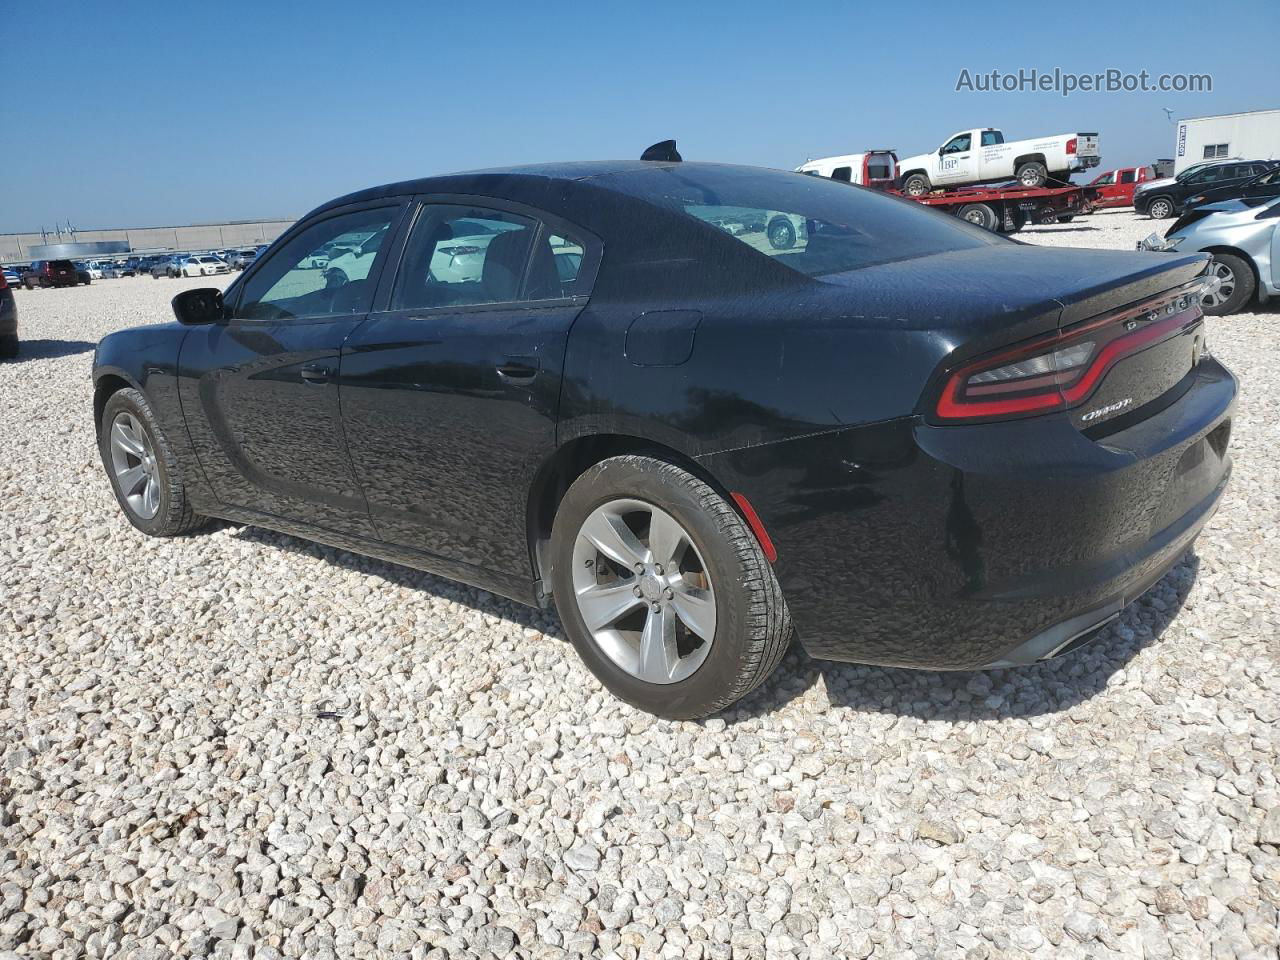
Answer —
1245 244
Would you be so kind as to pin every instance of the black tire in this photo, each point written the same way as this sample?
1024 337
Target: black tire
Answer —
1014 219
1160 208
175 515
781 233
28 284
980 215
1067 219
916 185
753 626
8 347
1031 174
1245 283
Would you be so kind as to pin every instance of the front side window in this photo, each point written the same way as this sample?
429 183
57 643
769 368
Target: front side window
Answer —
291 283
958 144
1105 180
813 225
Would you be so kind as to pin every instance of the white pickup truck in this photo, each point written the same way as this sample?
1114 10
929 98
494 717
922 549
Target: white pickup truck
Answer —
982 156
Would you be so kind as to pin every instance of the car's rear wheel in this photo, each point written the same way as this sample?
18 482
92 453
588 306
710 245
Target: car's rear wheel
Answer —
664 590
782 234
1161 208
916 185
1236 285
8 347
1032 174
145 474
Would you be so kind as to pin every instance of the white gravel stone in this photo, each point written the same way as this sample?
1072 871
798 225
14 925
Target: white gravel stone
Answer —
243 744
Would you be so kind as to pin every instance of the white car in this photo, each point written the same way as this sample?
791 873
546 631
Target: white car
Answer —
981 155
202 266
94 269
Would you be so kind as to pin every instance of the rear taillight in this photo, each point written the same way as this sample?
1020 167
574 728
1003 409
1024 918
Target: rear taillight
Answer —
4 282
1062 369
1071 145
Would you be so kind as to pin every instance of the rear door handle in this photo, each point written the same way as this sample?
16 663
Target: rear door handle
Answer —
317 373
519 369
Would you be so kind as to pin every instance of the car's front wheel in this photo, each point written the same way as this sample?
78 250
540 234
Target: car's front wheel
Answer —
1236 284
144 469
1161 208
664 590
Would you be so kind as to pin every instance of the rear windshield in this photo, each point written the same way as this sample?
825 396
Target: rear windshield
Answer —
61 264
813 225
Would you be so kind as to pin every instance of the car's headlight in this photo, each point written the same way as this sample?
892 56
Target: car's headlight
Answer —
1171 243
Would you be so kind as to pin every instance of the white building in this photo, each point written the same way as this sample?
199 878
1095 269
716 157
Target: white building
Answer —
1249 136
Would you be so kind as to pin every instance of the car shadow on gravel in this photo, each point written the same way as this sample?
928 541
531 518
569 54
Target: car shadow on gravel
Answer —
967 695
952 696
49 349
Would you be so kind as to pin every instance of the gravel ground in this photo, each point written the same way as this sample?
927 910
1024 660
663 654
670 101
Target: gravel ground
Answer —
246 745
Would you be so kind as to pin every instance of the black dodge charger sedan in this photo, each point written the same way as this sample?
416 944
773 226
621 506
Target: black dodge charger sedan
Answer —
909 440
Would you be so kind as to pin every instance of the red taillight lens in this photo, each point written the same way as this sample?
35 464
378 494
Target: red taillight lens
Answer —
1061 370
1071 145
4 281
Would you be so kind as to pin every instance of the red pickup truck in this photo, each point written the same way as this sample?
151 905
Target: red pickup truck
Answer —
1115 187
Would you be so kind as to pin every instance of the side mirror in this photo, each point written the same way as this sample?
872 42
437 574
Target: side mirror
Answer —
194 307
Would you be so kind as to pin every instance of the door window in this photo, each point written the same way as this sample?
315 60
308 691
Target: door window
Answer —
1128 176
301 280
992 138
1105 180
958 144
463 255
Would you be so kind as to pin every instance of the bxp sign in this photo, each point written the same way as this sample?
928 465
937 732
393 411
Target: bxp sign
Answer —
1182 139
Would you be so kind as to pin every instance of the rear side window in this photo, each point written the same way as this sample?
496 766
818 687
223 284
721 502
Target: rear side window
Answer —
991 138
461 256
844 174
1128 176
811 224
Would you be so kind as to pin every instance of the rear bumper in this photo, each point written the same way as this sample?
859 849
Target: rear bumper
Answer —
992 544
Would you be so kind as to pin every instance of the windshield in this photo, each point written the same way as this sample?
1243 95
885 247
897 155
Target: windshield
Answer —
813 225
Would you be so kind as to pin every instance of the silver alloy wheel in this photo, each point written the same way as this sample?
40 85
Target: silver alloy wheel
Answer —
1225 289
133 461
1160 210
643 591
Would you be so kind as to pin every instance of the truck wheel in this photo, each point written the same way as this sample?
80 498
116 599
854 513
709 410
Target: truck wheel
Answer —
916 185
782 235
980 215
1237 285
1032 174
1161 208
1067 219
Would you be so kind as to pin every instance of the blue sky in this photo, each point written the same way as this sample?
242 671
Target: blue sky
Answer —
176 112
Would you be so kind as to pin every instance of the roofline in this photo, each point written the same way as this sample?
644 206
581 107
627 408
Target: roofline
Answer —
1224 116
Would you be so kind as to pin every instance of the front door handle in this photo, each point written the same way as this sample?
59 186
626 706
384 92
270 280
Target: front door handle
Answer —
519 369
317 373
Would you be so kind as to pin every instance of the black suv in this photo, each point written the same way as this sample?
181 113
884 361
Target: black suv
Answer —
1257 190
1168 200
50 273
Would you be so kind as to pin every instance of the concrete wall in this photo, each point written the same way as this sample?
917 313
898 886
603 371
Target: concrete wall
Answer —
16 247
1249 136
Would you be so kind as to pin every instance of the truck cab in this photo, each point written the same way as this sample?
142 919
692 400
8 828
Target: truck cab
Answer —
877 169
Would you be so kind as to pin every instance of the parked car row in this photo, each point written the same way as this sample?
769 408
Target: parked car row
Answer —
69 273
1206 183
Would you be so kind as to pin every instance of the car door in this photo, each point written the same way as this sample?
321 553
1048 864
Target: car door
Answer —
450 393
260 390
1265 186
1126 183
957 161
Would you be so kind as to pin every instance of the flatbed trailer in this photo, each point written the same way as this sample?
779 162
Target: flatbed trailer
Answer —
1009 209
